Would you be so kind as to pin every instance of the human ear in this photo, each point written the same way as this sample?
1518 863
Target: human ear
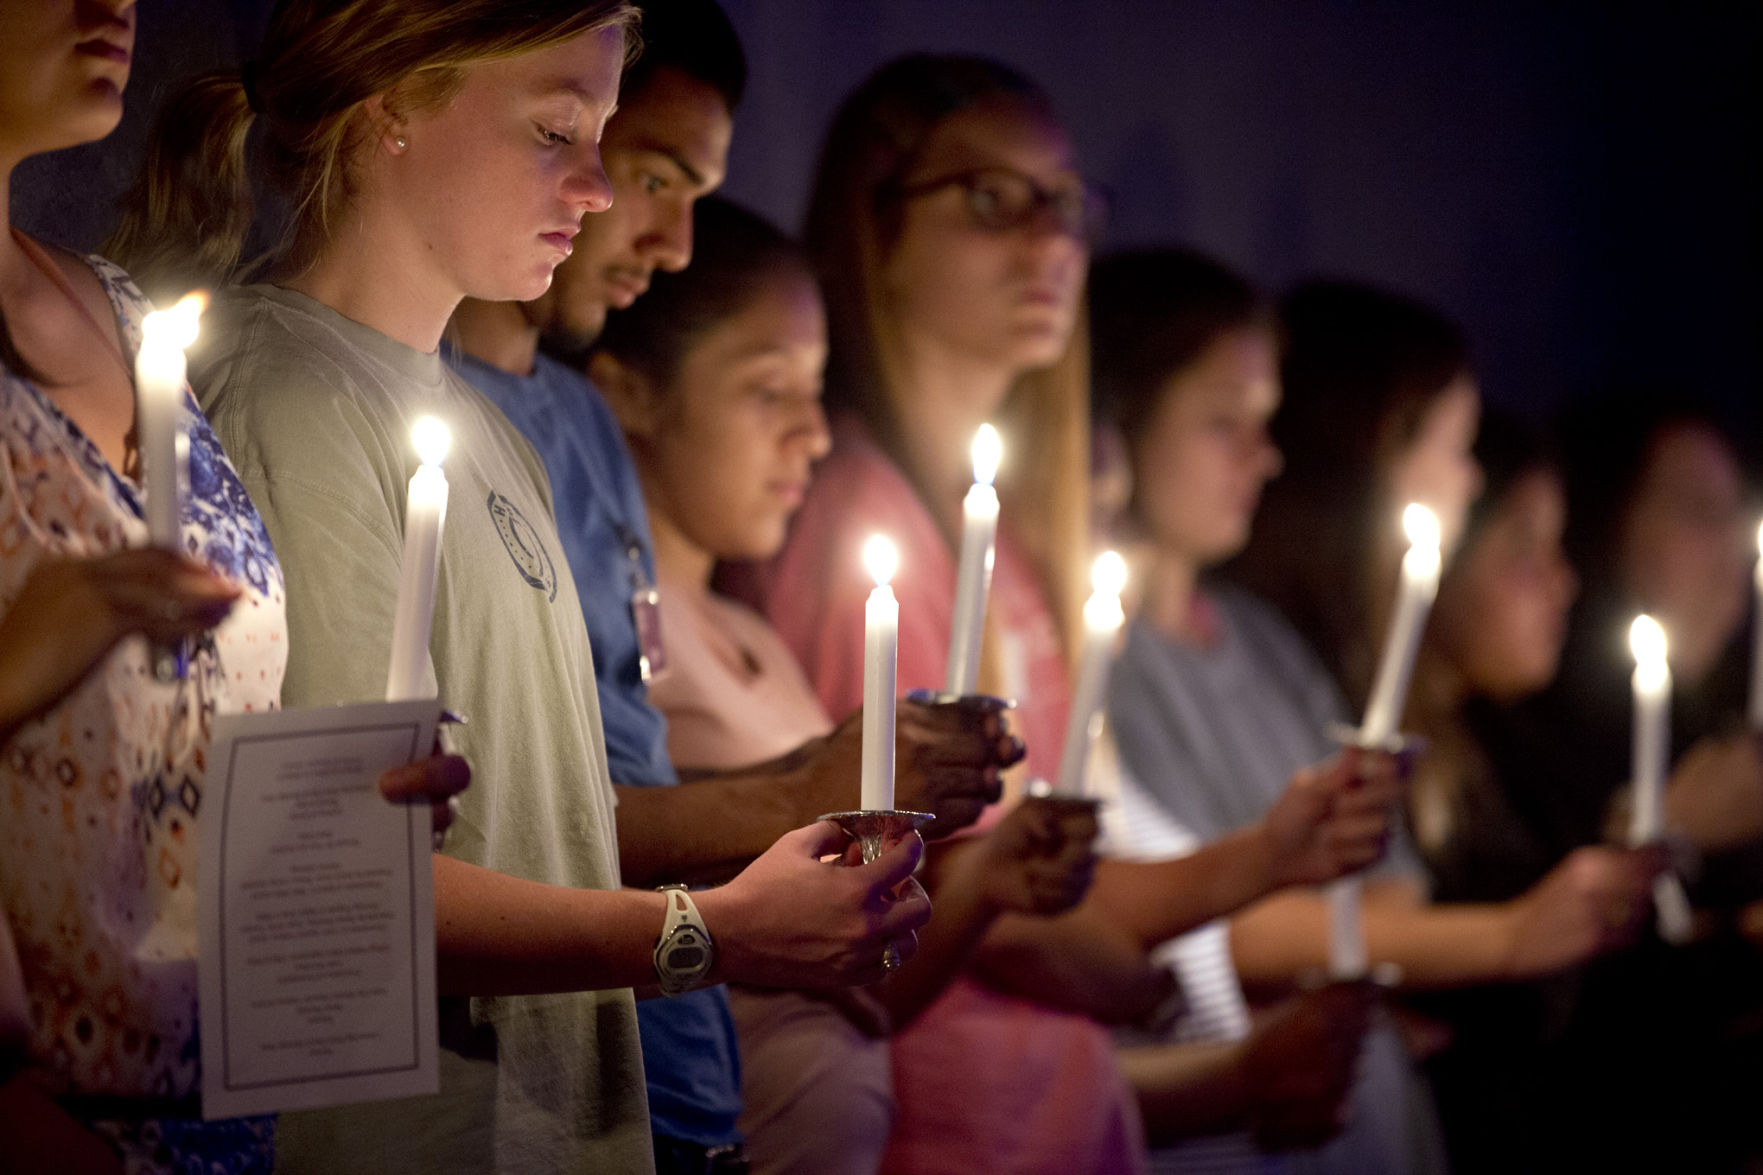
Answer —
388 125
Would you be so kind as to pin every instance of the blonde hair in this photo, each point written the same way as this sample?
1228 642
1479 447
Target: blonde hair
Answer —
851 227
191 210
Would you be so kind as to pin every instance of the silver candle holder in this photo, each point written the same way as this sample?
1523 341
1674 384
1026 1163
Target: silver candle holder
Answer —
876 830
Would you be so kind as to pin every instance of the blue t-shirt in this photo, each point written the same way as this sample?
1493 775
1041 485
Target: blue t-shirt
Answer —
689 1052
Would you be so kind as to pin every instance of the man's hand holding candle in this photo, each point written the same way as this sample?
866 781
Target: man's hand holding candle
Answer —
949 761
791 919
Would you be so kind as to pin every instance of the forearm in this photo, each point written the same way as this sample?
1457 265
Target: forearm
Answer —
1154 901
707 830
15 1004
1186 1090
38 1135
1079 962
948 941
1282 939
500 935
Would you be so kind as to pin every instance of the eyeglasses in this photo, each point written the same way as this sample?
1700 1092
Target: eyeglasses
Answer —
999 199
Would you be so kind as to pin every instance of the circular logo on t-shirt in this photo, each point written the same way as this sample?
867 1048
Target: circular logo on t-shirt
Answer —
529 554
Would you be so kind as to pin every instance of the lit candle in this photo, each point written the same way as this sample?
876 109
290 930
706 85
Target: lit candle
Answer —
159 406
1102 620
424 513
1652 713
1652 753
1756 711
881 639
1347 957
1420 583
979 531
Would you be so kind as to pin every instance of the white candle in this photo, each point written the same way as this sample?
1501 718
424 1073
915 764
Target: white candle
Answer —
1347 958
1652 754
1652 737
979 532
1420 583
1102 620
881 639
1756 710
159 405
425 512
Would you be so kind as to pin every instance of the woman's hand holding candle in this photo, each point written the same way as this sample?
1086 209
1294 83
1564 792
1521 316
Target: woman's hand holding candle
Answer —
71 612
1594 901
1333 819
1038 860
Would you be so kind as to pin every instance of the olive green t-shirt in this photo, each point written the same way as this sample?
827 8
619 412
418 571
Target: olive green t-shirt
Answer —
315 411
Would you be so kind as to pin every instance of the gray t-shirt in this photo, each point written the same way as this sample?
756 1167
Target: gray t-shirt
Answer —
1208 740
1212 736
315 411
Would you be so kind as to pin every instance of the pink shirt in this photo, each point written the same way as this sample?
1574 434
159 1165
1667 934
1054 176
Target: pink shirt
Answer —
732 692
984 1081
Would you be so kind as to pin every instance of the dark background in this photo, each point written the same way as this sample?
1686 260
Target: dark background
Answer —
1577 183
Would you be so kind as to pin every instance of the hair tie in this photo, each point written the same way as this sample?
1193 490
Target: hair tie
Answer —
248 78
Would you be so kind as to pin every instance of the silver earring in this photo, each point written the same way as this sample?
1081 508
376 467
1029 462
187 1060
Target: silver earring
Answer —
400 142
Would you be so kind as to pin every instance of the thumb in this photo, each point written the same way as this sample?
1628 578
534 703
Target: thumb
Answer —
817 840
894 865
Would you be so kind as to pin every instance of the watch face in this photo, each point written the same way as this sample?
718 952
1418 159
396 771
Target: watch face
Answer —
684 956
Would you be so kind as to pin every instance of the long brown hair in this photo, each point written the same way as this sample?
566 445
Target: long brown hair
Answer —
188 216
1360 369
852 226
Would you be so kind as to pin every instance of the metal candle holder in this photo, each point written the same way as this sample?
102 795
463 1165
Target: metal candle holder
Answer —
875 830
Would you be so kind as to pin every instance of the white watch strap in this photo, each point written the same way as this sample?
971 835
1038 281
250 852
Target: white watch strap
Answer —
681 911
682 930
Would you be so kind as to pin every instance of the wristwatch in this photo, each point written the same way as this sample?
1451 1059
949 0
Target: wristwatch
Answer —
684 953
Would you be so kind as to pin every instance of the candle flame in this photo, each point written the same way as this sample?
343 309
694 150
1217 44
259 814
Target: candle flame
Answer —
178 326
1108 574
1760 540
880 559
1421 525
988 451
432 439
1647 640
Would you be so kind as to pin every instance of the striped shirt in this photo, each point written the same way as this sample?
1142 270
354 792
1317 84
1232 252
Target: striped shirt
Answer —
1209 738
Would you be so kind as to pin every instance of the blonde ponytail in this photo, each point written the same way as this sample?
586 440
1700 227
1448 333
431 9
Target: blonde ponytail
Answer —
191 209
